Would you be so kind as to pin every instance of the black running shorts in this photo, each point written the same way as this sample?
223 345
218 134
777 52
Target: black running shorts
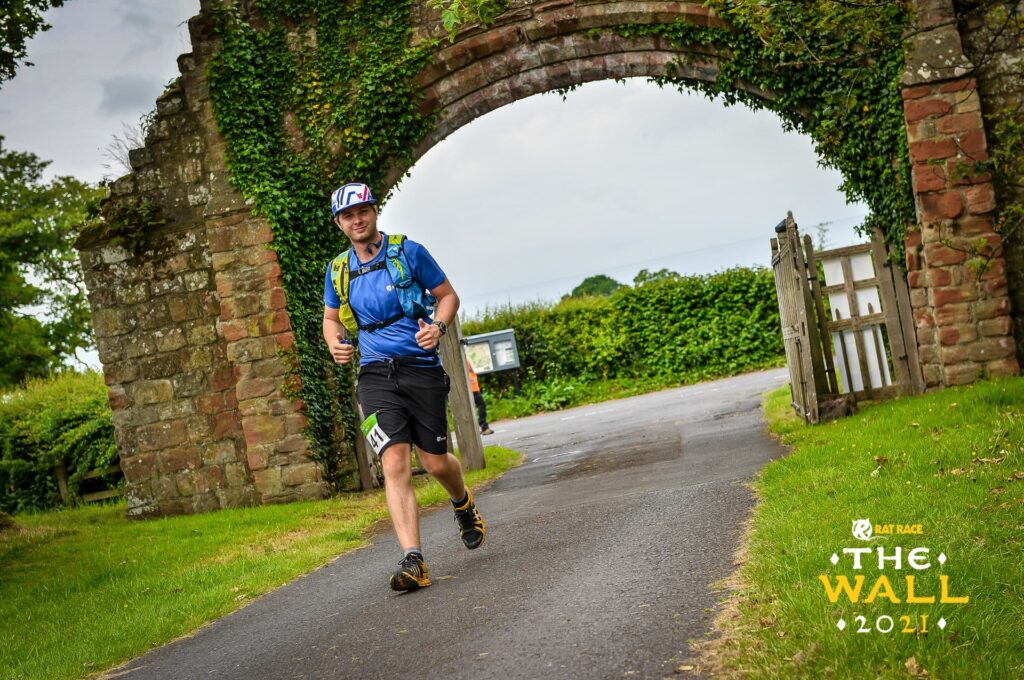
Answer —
411 403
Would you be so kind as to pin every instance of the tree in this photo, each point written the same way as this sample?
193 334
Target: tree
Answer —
645 276
19 21
44 316
599 284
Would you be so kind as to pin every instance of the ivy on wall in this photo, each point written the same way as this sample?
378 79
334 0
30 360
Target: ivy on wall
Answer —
304 110
312 93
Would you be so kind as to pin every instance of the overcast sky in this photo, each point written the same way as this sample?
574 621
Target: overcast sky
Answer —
522 204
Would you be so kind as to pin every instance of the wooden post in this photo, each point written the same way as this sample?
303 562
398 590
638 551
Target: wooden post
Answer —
61 472
453 356
367 479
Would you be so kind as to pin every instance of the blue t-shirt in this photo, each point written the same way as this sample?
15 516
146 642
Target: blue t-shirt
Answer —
373 299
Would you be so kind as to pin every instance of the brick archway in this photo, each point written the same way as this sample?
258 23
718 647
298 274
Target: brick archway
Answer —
188 329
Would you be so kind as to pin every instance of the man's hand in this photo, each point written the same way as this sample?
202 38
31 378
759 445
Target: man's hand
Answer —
342 350
428 335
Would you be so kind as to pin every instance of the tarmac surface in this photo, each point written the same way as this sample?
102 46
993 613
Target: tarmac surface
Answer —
600 555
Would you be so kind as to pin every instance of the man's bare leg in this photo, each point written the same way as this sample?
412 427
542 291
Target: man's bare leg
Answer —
400 496
446 470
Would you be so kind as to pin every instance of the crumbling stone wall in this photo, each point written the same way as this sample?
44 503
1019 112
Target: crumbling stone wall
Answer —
189 309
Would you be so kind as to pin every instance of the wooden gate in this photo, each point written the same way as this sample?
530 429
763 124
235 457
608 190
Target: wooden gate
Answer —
861 345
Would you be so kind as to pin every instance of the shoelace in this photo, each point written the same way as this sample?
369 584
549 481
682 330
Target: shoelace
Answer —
411 563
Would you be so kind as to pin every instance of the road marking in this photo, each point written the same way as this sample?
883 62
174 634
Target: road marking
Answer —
568 417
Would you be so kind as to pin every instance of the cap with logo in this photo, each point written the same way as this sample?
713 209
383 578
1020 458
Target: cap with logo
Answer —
349 196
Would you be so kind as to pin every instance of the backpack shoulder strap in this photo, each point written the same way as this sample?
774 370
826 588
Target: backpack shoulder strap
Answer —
340 278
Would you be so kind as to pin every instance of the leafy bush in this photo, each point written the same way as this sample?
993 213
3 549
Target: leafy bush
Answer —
665 330
63 419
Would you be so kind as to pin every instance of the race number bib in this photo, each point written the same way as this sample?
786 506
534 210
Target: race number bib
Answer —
371 430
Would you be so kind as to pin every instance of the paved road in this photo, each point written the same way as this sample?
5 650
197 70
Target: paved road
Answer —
597 563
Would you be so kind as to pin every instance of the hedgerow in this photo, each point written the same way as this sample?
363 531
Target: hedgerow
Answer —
668 331
61 420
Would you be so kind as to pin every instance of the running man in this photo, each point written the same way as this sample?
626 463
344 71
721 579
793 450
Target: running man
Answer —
380 285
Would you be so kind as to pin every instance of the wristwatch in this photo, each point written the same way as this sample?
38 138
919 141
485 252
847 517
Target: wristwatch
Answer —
441 325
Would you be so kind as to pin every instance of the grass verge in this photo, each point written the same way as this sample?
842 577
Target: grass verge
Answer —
85 589
950 461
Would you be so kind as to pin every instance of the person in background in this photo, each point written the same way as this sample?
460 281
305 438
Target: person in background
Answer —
478 399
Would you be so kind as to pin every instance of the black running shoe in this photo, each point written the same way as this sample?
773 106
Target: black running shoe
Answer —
472 527
411 575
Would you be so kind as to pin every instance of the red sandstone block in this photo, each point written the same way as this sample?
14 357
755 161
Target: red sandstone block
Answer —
226 424
973 145
285 341
209 404
913 239
917 109
992 308
980 199
950 315
971 226
251 389
1002 368
222 379
175 460
280 323
955 354
959 123
960 374
932 149
991 349
923 318
959 85
996 287
953 295
117 399
916 92
928 178
936 254
276 299
139 466
262 430
233 330
295 423
932 375
257 459
949 336
940 276
945 205
999 326
916 279
294 475
913 261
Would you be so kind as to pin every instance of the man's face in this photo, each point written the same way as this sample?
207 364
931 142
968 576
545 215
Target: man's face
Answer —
359 223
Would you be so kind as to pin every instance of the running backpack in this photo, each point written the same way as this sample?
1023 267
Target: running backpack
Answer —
416 302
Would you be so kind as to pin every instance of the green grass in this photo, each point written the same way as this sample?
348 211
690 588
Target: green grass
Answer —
85 589
952 461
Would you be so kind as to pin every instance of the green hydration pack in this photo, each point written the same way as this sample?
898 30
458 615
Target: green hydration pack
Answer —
416 302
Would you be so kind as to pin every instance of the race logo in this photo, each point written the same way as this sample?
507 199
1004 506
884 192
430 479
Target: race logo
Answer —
862 529
890 589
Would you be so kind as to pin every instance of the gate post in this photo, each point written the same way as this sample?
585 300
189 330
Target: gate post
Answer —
962 315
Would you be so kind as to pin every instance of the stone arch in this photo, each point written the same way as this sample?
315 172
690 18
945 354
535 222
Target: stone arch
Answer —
190 316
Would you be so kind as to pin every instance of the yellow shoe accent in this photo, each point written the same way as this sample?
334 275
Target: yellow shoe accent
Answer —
412 574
